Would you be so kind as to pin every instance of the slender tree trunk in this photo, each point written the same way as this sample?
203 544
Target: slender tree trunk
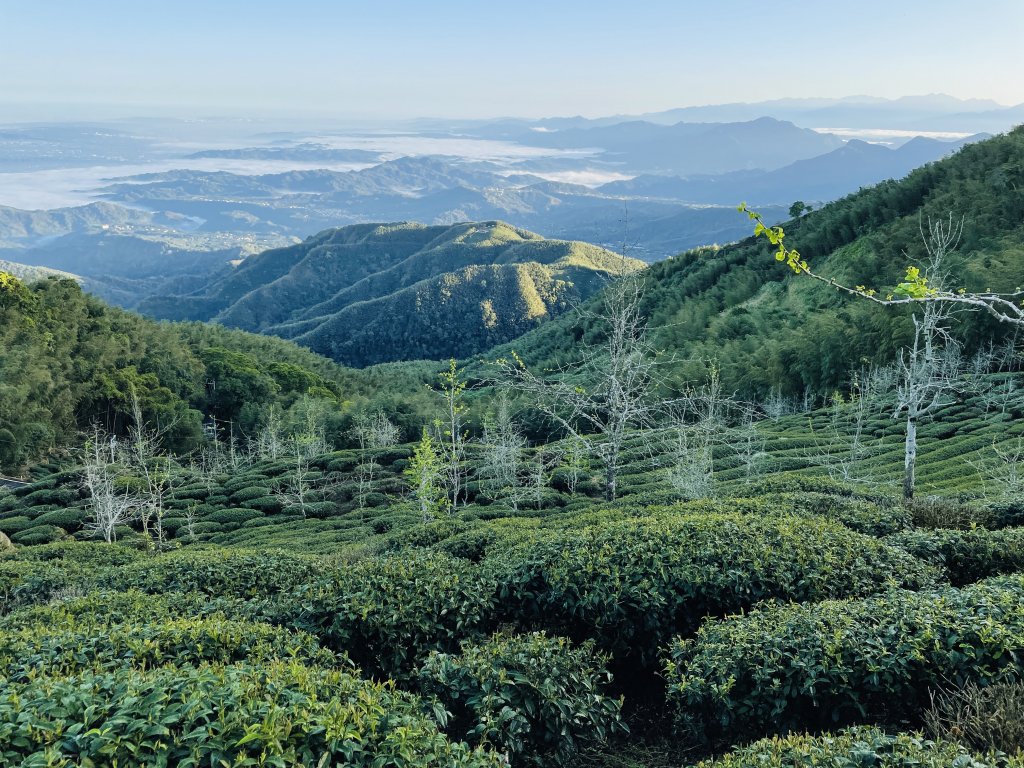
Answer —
611 473
910 458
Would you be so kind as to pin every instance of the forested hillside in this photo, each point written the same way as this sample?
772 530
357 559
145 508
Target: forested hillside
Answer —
737 305
367 294
68 362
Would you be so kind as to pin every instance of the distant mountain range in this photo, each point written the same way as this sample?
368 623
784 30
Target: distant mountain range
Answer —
655 185
375 293
827 177
930 112
681 148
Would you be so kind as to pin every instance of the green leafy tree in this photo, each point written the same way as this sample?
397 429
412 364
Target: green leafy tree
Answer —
425 475
451 430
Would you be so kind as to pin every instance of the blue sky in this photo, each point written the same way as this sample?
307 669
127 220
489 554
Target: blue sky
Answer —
452 58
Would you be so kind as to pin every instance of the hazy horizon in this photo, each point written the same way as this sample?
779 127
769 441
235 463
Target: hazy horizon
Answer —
401 60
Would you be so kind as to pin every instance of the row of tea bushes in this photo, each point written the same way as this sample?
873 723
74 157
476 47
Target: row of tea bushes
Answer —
966 556
630 585
278 713
858 748
781 668
91 645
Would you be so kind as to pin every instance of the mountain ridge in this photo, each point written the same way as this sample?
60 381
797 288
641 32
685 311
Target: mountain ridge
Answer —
454 289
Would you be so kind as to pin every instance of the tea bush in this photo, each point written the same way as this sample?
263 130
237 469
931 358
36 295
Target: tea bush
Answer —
632 584
790 667
278 713
389 612
217 572
89 644
120 607
535 697
857 747
966 556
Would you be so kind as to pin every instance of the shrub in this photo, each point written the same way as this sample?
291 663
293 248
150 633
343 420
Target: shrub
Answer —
856 514
989 717
318 510
854 747
5 544
632 584
789 667
967 556
206 526
121 607
13 525
532 696
89 644
1005 514
279 713
388 613
217 572
233 516
69 519
39 534
60 497
939 512
248 493
266 504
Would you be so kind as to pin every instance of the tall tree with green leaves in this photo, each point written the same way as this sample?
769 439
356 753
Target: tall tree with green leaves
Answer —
425 476
451 431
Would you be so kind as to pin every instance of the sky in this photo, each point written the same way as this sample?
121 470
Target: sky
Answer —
456 58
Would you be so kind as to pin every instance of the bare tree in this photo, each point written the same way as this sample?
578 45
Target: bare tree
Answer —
372 433
310 436
611 389
300 489
110 506
154 469
748 444
845 448
699 422
191 515
691 469
928 372
1003 471
575 456
270 441
502 454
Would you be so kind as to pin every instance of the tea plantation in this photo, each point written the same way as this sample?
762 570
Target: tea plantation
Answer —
786 619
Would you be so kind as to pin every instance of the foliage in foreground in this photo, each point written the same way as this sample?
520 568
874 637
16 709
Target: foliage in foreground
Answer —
533 696
631 584
857 747
277 714
785 668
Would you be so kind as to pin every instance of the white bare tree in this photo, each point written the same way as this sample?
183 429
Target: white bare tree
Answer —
300 489
372 433
502 447
111 504
928 372
610 391
271 440
748 444
154 469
